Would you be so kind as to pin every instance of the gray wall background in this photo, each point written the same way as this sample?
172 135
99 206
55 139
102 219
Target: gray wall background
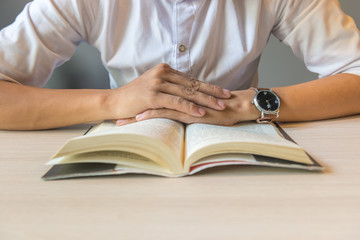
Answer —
278 66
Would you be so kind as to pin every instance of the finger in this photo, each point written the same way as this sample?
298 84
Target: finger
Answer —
193 96
121 122
178 103
192 83
169 114
210 118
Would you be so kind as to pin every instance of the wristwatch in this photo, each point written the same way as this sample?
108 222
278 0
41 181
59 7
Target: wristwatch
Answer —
268 103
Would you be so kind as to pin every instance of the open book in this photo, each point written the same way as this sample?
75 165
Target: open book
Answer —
169 148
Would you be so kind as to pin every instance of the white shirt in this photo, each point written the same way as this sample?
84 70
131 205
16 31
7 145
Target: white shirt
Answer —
215 41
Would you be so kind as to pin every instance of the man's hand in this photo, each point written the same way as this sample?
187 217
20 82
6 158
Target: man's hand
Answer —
238 108
165 91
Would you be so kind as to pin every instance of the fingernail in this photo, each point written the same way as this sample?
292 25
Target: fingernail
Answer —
201 111
140 117
120 122
227 92
221 104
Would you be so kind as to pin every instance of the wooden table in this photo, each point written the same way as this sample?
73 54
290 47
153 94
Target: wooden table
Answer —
223 203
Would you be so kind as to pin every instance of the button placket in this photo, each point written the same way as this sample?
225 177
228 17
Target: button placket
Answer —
184 23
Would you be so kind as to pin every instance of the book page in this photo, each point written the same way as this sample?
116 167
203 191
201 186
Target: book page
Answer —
128 160
224 159
205 139
159 140
167 131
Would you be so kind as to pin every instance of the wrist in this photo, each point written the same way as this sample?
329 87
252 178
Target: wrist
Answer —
245 110
110 104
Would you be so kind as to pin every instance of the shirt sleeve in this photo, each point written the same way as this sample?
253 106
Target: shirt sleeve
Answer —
43 36
320 34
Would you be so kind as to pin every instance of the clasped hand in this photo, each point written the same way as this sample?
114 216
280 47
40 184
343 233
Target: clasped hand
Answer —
163 92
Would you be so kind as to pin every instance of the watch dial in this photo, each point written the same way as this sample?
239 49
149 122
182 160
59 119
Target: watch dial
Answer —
268 101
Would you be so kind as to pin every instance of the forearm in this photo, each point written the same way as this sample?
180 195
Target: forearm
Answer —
330 97
30 108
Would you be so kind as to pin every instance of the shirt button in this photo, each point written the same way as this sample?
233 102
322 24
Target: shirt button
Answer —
182 48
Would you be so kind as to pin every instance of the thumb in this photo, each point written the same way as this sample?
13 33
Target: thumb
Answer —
124 121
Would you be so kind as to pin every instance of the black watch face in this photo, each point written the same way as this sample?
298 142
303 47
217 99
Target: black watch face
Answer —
268 101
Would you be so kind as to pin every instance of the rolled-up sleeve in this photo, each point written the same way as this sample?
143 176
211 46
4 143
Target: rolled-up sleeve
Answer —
320 34
43 36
